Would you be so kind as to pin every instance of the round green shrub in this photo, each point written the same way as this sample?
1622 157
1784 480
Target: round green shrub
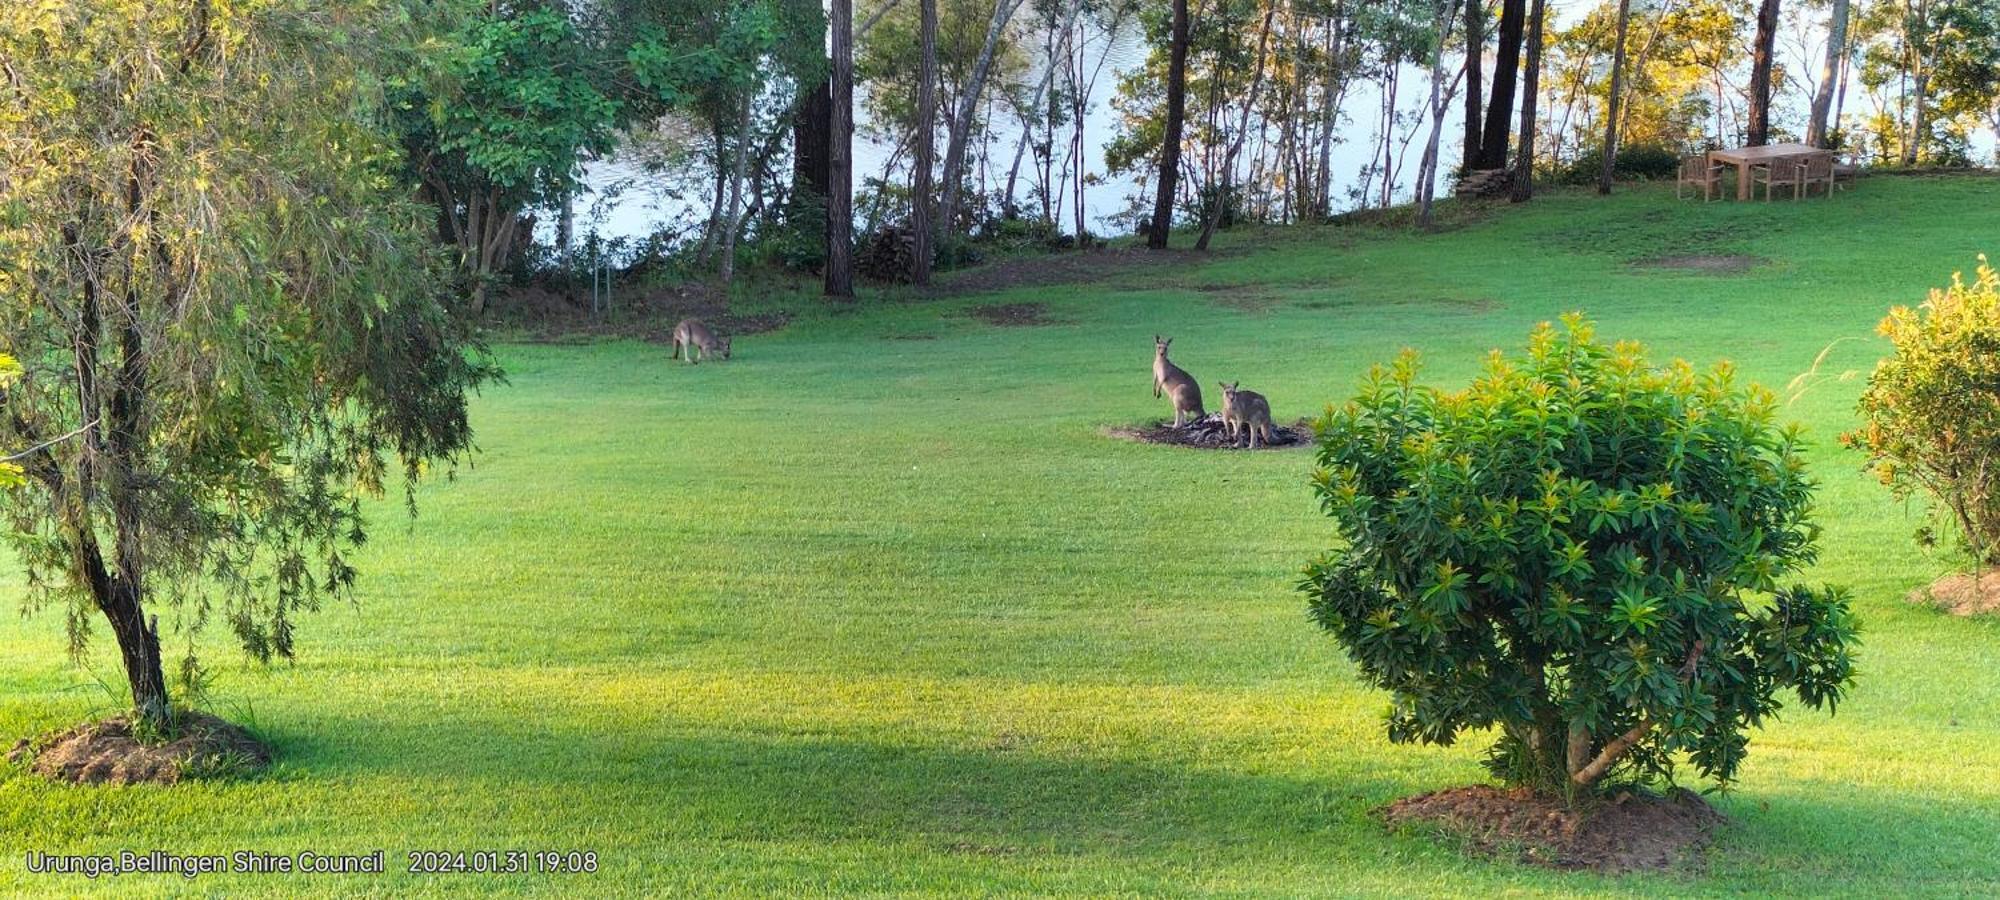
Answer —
1581 550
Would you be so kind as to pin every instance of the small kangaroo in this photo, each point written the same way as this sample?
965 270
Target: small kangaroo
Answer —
1176 384
1245 411
691 335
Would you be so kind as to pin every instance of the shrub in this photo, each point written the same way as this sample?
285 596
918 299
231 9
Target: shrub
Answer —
1638 162
1932 408
1581 549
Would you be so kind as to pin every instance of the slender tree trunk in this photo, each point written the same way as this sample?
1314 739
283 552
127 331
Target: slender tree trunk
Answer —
968 104
1475 46
1336 88
1762 57
1920 79
1523 186
1506 65
1236 143
1836 57
921 227
840 153
1611 114
1440 104
1170 143
737 168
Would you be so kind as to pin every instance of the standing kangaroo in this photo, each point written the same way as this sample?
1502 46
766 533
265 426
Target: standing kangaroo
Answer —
691 335
1176 384
1245 411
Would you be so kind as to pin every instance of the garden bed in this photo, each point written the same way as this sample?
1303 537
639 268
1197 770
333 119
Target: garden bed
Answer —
1208 433
1632 831
108 752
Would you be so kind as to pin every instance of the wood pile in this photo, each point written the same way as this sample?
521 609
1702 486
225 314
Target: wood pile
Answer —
1485 184
888 255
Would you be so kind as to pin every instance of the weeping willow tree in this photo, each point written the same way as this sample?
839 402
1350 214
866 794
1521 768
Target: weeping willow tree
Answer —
226 310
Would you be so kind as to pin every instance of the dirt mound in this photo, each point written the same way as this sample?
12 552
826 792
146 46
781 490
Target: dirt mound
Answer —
1207 433
1717 263
1963 594
107 752
1632 831
1014 315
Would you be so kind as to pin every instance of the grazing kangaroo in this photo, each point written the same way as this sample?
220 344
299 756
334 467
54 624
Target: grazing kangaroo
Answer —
1245 411
691 335
1176 384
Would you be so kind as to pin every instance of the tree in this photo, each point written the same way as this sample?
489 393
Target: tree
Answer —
968 104
1762 56
1212 216
1582 550
1506 66
1611 111
501 124
840 155
1922 44
1475 44
1836 58
1439 104
229 311
921 227
1170 143
1931 423
1523 187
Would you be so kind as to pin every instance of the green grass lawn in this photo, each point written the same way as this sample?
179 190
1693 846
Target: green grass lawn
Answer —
877 608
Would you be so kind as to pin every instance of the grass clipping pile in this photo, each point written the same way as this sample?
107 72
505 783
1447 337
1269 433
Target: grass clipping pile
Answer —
108 752
1631 831
1208 433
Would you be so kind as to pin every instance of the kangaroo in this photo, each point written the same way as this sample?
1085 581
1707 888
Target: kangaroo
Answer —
1176 384
691 335
1245 411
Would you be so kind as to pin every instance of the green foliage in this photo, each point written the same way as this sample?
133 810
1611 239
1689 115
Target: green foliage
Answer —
1579 546
529 103
1645 162
228 309
1932 408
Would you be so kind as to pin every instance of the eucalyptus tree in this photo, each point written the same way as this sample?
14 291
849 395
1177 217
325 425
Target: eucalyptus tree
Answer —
231 318
1762 58
1176 119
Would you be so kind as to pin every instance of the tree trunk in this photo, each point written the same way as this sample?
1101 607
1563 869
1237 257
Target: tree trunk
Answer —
1920 78
840 153
1506 64
1440 103
1475 45
1604 174
920 182
968 104
1170 143
1336 87
812 137
1236 143
1762 56
1836 56
1523 186
734 220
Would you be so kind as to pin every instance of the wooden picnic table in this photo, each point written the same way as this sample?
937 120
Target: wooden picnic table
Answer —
1746 158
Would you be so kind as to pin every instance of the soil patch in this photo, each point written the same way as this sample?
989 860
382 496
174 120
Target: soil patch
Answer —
1063 268
1013 315
1632 831
1715 263
1240 298
1207 433
547 314
107 753
1963 593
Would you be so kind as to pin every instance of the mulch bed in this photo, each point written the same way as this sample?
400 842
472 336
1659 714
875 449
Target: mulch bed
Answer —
1963 594
1013 315
1207 433
1632 831
107 752
1719 264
